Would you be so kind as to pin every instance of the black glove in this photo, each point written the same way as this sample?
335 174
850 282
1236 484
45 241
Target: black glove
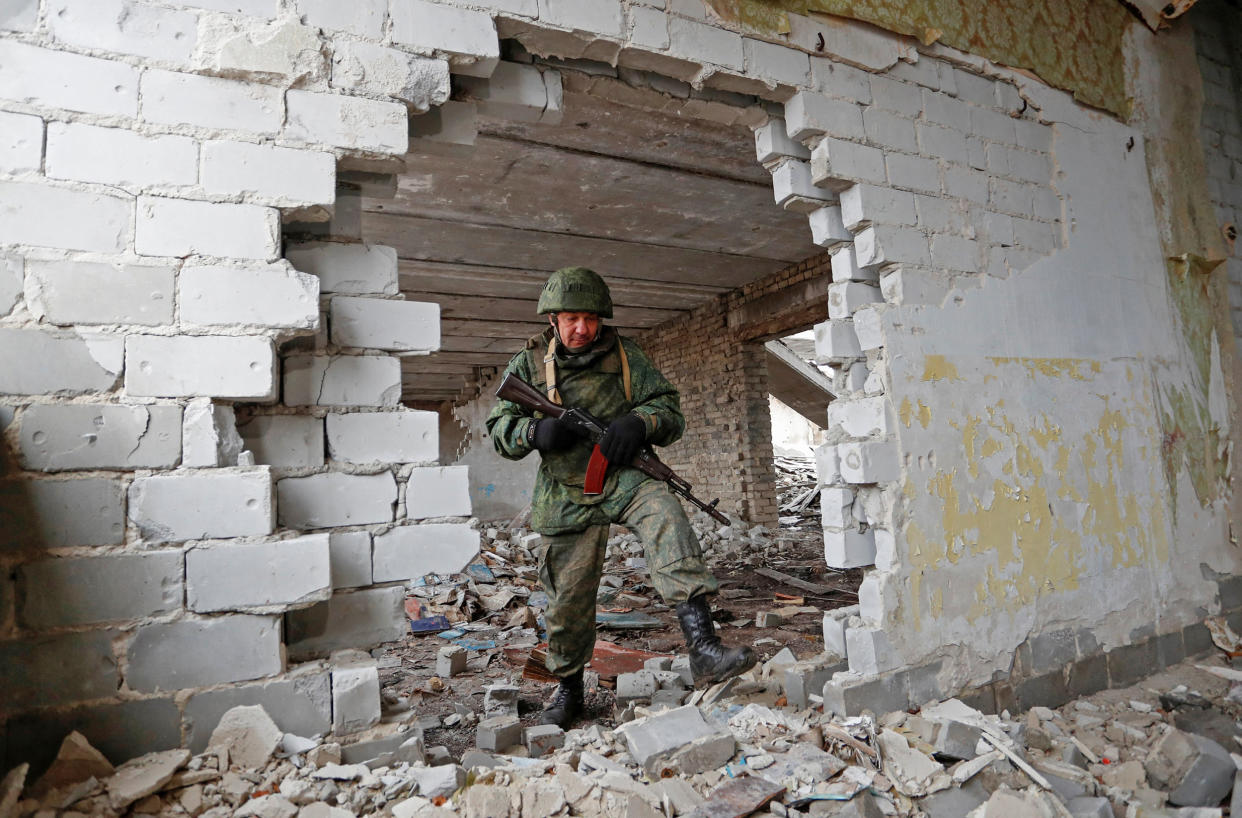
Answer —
622 440
550 435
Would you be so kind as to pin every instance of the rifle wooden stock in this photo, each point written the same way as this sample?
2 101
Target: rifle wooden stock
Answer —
514 389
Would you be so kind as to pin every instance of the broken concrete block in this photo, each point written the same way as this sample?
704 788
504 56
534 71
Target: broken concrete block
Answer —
201 505
411 551
438 492
70 364
543 739
76 761
248 735
355 695
406 436
272 295
768 619
282 48
299 702
1196 771
803 679
203 652
500 700
346 122
83 292
235 367
293 441
336 499
637 686
209 436
267 806
658 663
450 661
678 740
956 740
848 694
347 268
347 620
79 591
232 577
498 733
57 437
827 229
836 342
420 82
342 380
381 323
681 666
1088 807
142 776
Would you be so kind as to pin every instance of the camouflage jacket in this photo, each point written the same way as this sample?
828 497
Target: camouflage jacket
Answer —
592 381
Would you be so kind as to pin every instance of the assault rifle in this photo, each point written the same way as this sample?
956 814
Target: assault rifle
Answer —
514 389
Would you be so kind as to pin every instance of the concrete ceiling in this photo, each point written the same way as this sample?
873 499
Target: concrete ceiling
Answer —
671 211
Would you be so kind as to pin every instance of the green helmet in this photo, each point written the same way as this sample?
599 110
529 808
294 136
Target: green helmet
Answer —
575 289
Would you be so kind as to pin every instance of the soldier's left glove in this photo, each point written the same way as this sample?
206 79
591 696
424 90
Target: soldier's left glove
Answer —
623 438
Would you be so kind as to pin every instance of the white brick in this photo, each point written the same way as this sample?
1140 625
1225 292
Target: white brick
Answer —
115 156
869 461
514 91
380 323
124 26
896 96
274 295
809 114
1030 167
179 227
278 176
210 102
792 188
940 142
945 110
68 363
602 17
648 29
955 253
347 268
966 183
88 292
840 80
335 499
889 130
282 49
420 82
469 37
18 15
827 464
849 549
45 216
883 244
869 329
362 17
863 204
58 437
21 143
836 341
913 285
772 143
827 228
384 437
198 505
411 551
994 125
835 165
941 215
1012 197
777 63
355 696
863 417
857 374
236 367
913 172
253 8
347 122
845 266
703 43
836 505
351 559
61 80
258 575
291 441
209 435
844 298
438 492
343 380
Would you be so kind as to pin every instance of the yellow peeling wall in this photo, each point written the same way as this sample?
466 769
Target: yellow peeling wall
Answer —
1066 432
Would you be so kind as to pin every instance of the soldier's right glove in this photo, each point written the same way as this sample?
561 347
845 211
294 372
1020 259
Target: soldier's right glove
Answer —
550 435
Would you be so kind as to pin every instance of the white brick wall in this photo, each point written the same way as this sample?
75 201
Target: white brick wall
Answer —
125 27
362 17
210 102
272 175
115 156
70 81
21 143
350 122
235 367
271 295
179 227
468 35
45 216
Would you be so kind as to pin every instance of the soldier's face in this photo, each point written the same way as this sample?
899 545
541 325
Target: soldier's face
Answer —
577 329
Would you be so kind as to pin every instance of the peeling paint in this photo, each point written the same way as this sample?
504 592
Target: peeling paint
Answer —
938 367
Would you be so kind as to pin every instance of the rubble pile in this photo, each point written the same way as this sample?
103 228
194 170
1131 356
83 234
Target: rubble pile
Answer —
797 491
735 749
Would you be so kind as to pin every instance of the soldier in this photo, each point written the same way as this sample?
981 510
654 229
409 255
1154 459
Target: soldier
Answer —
579 362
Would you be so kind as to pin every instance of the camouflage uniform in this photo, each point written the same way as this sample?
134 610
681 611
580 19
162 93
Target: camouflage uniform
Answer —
575 526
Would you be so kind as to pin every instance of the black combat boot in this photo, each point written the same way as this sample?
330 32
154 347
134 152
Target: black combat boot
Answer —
710 660
566 704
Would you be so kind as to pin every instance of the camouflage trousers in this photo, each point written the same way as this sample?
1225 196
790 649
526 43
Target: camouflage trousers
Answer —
570 566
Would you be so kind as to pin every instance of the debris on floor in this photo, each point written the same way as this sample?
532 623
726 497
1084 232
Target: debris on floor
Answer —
727 752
